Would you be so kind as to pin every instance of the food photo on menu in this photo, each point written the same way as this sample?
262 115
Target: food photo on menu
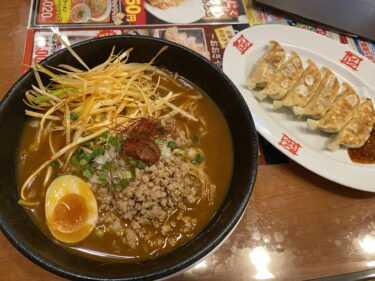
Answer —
79 13
72 11
190 11
192 38
207 40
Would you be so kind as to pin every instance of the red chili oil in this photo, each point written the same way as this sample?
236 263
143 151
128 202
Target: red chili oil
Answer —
366 153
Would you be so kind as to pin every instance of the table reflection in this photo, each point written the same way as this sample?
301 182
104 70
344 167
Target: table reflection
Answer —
367 243
260 258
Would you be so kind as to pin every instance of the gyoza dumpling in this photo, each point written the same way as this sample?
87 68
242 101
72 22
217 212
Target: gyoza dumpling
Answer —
303 90
284 79
266 67
323 96
358 130
340 112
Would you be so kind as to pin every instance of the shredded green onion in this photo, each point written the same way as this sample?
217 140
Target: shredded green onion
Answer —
56 93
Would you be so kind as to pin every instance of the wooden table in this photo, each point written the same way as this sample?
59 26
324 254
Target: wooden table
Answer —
297 226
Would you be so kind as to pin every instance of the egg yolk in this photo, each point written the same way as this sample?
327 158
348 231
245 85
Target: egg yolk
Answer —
71 209
70 213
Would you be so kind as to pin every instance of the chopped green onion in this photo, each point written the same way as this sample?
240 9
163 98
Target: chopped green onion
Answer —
87 174
116 142
123 184
97 151
111 140
172 144
140 164
119 144
181 152
102 178
164 133
158 141
107 165
198 159
128 174
89 156
99 233
73 116
75 160
87 143
196 140
104 137
55 164
83 162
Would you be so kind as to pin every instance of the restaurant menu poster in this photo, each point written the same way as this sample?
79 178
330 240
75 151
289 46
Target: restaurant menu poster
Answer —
104 13
209 41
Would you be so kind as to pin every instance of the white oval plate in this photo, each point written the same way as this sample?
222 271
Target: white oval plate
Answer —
286 132
189 11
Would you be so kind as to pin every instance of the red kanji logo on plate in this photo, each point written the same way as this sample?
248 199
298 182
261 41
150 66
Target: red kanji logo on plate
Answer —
242 44
289 144
351 60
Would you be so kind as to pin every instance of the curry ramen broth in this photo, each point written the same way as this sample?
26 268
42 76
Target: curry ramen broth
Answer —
217 148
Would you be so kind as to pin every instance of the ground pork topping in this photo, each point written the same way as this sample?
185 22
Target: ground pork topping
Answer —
151 199
156 190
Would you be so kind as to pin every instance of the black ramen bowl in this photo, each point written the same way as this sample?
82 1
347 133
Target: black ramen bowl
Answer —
17 225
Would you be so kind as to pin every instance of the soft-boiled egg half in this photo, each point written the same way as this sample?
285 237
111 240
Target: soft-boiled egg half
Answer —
71 209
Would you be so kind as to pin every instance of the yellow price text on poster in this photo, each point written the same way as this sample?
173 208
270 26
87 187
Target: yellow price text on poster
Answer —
63 10
224 34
